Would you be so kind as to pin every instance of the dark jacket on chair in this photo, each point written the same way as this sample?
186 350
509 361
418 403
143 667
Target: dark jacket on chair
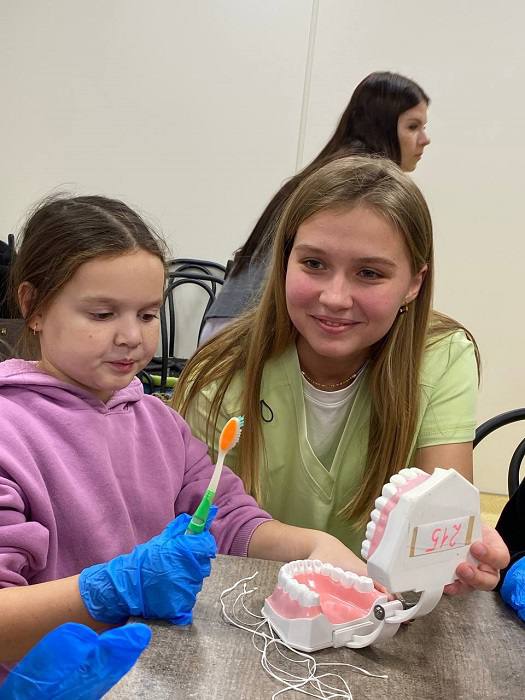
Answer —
511 526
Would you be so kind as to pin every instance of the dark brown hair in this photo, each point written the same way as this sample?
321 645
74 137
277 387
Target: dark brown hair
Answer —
61 234
368 126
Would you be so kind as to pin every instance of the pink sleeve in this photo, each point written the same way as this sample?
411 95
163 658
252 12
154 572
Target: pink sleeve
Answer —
24 544
238 513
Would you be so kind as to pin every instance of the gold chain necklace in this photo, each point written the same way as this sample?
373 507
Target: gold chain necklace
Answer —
336 385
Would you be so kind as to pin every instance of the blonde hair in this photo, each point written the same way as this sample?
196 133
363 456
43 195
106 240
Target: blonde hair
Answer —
395 361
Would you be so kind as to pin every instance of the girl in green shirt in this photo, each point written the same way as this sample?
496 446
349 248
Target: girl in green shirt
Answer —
343 372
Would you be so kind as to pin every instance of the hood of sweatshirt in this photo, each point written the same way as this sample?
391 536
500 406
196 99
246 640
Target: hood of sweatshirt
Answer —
21 374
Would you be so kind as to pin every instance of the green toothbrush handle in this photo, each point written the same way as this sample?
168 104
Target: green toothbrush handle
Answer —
198 521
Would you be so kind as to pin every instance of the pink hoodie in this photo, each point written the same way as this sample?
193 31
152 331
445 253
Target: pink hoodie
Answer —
82 481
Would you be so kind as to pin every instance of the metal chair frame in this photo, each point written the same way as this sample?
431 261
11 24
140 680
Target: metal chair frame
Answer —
204 266
183 271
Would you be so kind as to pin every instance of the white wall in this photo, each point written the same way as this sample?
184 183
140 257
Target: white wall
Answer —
193 112
189 110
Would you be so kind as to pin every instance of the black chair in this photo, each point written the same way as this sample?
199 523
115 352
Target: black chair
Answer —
11 330
493 424
208 276
207 267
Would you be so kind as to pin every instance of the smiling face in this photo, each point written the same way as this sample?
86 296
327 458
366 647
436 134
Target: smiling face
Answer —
102 327
348 275
412 136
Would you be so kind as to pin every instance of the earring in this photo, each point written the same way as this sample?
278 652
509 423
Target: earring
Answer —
35 328
403 309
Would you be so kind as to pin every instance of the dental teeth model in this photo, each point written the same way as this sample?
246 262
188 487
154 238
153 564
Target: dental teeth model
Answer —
316 605
420 530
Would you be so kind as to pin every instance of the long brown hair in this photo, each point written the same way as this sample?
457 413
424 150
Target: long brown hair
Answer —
60 235
395 361
368 126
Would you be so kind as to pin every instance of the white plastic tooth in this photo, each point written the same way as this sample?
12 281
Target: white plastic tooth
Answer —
317 565
349 579
294 567
288 569
300 566
308 598
293 589
389 490
365 548
364 584
375 515
416 471
304 595
407 473
370 530
398 479
282 578
308 566
333 574
337 574
313 599
381 502
326 569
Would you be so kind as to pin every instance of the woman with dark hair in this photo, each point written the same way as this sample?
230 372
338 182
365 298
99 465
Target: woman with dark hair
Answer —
386 116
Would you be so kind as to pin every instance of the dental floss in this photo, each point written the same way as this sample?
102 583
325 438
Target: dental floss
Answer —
318 683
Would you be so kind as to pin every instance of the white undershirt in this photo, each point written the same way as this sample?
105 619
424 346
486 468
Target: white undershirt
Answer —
326 414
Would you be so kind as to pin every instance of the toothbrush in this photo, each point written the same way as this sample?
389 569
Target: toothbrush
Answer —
229 437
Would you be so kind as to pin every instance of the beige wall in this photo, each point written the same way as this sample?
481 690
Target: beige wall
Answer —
195 111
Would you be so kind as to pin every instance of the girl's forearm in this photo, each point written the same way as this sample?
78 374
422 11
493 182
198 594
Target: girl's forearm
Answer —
280 542
29 612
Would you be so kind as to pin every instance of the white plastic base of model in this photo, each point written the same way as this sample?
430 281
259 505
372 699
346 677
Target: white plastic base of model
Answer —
428 532
313 634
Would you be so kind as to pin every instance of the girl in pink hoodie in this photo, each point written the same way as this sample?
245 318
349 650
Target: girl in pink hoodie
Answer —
97 479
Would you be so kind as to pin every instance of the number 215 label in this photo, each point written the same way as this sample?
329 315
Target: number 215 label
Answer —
441 536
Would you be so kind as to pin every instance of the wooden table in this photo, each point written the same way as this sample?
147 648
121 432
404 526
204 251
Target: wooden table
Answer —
471 647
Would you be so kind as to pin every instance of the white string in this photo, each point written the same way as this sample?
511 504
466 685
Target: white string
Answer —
310 683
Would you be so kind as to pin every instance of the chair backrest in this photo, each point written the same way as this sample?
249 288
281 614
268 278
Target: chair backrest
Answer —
10 328
10 331
207 267
203 274
489 426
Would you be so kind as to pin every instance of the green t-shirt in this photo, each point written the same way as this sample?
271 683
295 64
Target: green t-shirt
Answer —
297 488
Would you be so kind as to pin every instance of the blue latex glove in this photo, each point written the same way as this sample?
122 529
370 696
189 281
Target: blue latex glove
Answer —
74 663
157 579
513 588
